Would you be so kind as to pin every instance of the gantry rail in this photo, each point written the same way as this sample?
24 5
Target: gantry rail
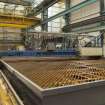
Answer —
7 94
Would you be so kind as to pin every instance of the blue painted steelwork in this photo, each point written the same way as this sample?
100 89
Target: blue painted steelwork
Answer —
70 52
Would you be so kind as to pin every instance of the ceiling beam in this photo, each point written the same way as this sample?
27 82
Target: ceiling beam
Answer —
90 29
45 4
87 22
17 2
95 20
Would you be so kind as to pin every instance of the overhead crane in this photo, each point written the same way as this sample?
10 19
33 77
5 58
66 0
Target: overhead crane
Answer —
17 21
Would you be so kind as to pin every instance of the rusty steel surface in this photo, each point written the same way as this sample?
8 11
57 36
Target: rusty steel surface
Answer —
52 72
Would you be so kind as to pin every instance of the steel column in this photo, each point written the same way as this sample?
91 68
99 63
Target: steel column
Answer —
102 6
102 9
44 17
67 16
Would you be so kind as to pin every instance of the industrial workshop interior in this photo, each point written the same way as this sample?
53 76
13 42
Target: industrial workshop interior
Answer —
52 52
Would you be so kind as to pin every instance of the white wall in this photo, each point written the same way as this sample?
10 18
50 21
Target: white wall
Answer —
86 12
9 36
89 51
4 32
75 2
57 24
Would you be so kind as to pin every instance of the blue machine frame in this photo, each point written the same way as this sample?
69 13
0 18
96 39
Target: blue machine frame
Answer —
70 52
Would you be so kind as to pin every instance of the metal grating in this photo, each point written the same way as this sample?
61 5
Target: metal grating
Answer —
52 73
93 63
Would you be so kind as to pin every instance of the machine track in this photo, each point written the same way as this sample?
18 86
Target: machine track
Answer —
25 94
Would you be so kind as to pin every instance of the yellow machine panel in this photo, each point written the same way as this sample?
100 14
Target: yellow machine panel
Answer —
17 21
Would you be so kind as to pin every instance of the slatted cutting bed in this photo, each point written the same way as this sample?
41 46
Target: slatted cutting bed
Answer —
62 81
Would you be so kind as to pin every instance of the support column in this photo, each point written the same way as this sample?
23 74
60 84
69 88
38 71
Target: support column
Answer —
102 7
67 16
102 12
67 20
24 36
44 17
